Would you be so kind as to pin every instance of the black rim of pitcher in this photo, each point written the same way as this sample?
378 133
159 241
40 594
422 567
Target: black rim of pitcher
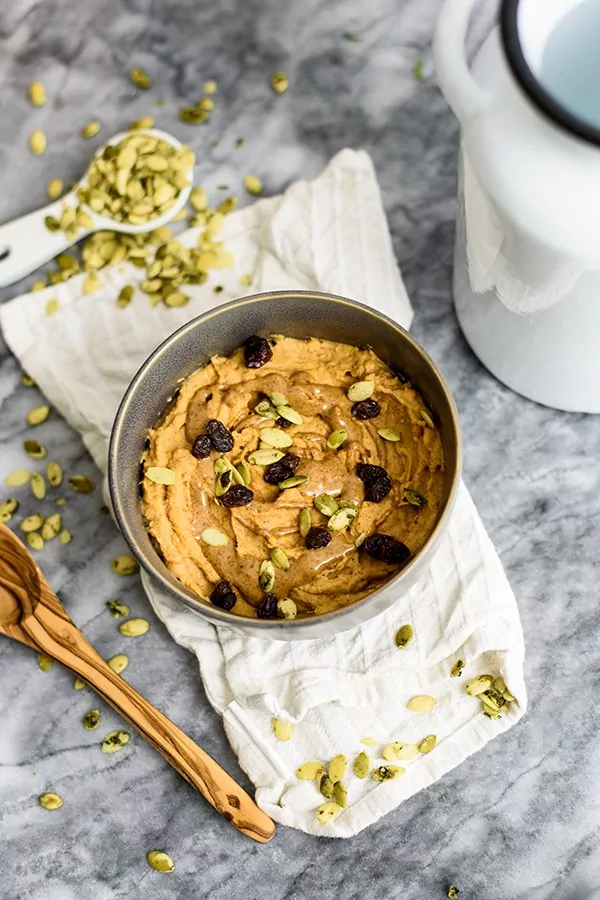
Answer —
522 72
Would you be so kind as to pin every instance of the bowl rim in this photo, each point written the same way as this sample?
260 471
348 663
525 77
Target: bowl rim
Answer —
185 595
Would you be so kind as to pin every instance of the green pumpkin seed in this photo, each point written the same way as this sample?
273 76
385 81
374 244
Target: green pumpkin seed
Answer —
398 750
427 418
81 484
478 685
369 742
50 800
114 740
342 519
65 536
90 130
337 438
134 627
326 504
325 785
120 662
389 434
265 410
37 142
265 457
362 764
422 703
159 475
278 399
457 669
91 719
37 415
125 296
54 188
275 437
387 773
286 609
37 93
52 526
290 415
294 481
224 482
54 473
266 576
360 539
17 478
38 486
244 473
283 731
253 184
140 78
360 390
79 684
500 686
304 521
428 743
51 223
308 771
280 559
338 768
125 565
61 501
214 538
160 861
414 498
326 812
34 449
279 83
27 380
7 509
453 892
32 523
404 636
35 540
117 609
44 662
340 794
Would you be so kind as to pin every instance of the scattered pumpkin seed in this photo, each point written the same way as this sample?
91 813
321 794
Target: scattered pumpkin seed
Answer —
266 576
114 740
50 800
37 93
414 498
398 750
54 473
125 565
125 296
37 142
325 785
360 390
7 509
350 36
478 685
337 438
422 703
37 415
55 188
427 418
140 78
279 81
342 519
91 719
279 558
214 538
265 457
246 280
51 223
500 686
283 731
144 122
389 434
90 130
61 501
244 473
387 773
38 486
340 794
34 449
91 284
32 523
308 771
457 669
304 521
79 684
326 504
44 662
294 481
290 415
369 742
286 609
81 484
428 743
253 184
120 662
52 306
338 768
160 861
52 526
418 70
404 636
362 764
27 380
134 628
330 810
160 475
35 540
266 410
275 437
35 287
65 536
117 609
360 539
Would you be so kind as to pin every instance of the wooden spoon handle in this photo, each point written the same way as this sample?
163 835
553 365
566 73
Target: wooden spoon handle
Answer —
52 632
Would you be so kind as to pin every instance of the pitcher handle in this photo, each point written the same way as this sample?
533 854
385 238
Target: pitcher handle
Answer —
463 94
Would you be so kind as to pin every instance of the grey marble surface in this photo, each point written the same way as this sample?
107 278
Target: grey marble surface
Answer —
519 820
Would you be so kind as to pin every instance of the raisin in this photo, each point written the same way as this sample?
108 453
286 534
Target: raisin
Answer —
368 472
284 468
268 607
282 423
257 352
201 446
316 538
386 548
220 437
223 596
376 491
237 495
366 409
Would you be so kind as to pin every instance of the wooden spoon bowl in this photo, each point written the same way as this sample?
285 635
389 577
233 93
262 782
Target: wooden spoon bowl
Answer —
30 612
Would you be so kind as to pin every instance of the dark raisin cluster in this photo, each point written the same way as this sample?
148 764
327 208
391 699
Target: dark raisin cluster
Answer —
223 596
284 468
386 548
268 607
257 352
366 409
376 480
317 537
214 437
237 495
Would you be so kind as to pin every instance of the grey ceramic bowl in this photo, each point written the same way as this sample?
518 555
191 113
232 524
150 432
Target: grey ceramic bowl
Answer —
296 314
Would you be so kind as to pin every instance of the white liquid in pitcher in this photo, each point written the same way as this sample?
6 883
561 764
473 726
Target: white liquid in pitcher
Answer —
570 69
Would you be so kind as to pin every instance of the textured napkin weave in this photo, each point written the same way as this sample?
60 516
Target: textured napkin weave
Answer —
331 235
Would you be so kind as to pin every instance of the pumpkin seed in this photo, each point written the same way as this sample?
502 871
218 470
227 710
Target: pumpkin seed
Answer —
414 498
244 473
404 636
265 410
44 662
426 416
266 576
52 526
125 296
280 559
210 87
38 486
140 78
398 750
214 538
457 669
125 565
342 519
34 449
453 892
52 306
387 773
55 188
265 457
340 794
120 662
176 299
35 540
360 539
422 703
114 740
54 473
326 504
65 536
27 380
369 742
81 484
7 509
360 390
294 481
117 609
283 731
286 609
37 415
144 122
37 142
500 686
327 812
275 437
325 785
362 764
290 415
37 93
91 719
50 800
51 223
61 501
337 438
160 475
253 184
79 684
389 434
304 521
428 743
90 130
32 523
338 768
478 685
134 628
279 81
160 861
308 771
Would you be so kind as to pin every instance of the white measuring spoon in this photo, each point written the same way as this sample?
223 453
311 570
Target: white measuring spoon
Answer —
26 243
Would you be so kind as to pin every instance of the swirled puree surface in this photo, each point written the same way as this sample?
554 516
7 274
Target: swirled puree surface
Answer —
314 377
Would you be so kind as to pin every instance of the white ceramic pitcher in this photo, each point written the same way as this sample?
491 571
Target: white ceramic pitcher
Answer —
527 262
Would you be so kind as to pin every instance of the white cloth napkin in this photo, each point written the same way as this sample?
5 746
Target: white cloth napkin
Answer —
330 234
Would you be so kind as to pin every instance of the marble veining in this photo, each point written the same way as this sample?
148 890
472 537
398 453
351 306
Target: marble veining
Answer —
520 820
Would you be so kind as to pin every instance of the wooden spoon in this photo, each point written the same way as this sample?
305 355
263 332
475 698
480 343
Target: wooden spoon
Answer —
31 612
